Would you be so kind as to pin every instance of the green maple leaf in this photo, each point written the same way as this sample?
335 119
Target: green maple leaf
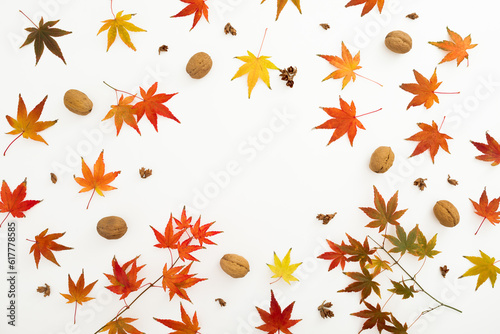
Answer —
484 266
402 289
283 268
425 248
398 327
383 214
404 243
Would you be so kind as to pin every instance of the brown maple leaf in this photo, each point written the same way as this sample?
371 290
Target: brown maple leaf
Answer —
13 202
346 66
363 282
374 316
121 326
343 120
196 7
429 139
424 90
124 282
369 4
78 292
383 214
123 112
45 244
27 125
97 181
275 319
187 326
487 210
457 47
490 150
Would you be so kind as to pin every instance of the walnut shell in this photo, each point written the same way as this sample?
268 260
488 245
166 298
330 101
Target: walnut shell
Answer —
111 227
446 213
382 159
398 41
234 265
77 102
199 65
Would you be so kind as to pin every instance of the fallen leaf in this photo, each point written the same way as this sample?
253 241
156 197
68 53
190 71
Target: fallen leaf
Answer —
168 239
43 35
425 248
283 268
121 25
369 4
177 279
45 289
281 5
359 252
97 181
490 150
123 111
185 222
13 202
444 270
364 283
451 181
187 326
256 67
78 292
124 282
484 266
337 256
378 265
27 125
487 210
375 316
145 173
398 327
121 326
404 243
184 250
153 105
429 139
221 301
383 214
424 90
346 66
420 183
276 320
324 310
202 234
45 244
400 288
343 120
326 218
196 7
457 47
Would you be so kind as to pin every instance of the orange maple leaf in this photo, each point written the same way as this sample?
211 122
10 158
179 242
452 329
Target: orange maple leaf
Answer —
196 7
491 150
98 181
429 139
344 120
78 293
121 326
346 66
369 4
168 239
45 244
424 90
123 282
487 210
27 125
13 202
185 222
177 279
152 105
123 111
457 47
383 214
201 233
187 326
281 5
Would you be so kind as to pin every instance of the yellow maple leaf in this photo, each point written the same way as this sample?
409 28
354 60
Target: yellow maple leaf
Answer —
283 269
256 67
484 266
119 24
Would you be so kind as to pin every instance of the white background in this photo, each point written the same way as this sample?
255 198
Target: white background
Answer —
284 176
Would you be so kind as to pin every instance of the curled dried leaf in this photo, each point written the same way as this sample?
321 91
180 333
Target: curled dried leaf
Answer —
444 270
412 16
228 29
44 289
325 218
145 173
221 302
452 181
420 183
325 26
324 310
162 48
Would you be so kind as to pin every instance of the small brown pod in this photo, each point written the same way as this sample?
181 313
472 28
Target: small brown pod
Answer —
234 265
112 227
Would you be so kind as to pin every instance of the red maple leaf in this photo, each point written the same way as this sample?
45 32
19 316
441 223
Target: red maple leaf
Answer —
487 210
187 326
201 233
429 139
369 4
123 282
169 239
424 90
153 105
196 7
185 249
45 244
13 202
276 320
185 221
375 316
337 256
177 279
491 150
343 120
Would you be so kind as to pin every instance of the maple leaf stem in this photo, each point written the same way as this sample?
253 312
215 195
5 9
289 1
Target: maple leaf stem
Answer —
413 278
30 240
12 142
420 268
111 6
34 22
122 91
446 92
275 280
171 257
93 192
261 44
474 233
442 123
74 317
369 79
388 300
4 219
368 113
424 312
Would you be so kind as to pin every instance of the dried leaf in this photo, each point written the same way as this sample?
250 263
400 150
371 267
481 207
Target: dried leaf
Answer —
124 282
13 202
491 150
369 5
121 326
221 301
283 269
378 265
346 66
177 279
456 48
44 289
324 310
451 181
202 234
78 293
444 270
145 173
168 239
187 326
382 214
325 26
404 243
184 250
326 218
162 48
420 183
364 283
281 5
337 255
153 105
412 16
196 7
228 29
487 210
359 252
429 139
275 319
484 266
398 327
45 244
256 67
400 288
424 90
123 111
121 25
375 316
